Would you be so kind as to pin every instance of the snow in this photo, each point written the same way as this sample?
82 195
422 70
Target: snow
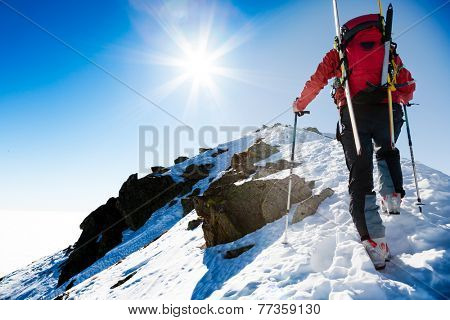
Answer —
33 281
323 260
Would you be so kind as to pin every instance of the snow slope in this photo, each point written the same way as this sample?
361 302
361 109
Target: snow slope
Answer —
324 259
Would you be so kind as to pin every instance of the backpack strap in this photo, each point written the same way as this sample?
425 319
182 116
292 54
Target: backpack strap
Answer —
348 34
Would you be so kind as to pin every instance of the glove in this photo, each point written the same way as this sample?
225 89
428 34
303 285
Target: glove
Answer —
297 105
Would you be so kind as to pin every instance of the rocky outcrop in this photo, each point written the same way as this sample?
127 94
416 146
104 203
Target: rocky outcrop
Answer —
102 231
244 162
122 281
218 152
231 211
201 150
313 129
234 253
309 206
194 224
180 159
195 172
137 200
273 167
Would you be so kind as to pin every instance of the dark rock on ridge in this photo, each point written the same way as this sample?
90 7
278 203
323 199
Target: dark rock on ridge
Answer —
194 223
180 159
137 200
234 253
102 231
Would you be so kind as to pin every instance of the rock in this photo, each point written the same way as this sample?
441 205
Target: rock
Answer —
201 150
194 223
139 198
188 202
70 285
102 231
244 161
219 151
180 159
273 167
159 169
188 205
231 211
122 281
313 129
309 206
231 254
197 172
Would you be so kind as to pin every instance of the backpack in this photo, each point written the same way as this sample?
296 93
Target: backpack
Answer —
362 43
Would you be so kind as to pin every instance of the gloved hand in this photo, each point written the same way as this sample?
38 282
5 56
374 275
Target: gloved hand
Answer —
298 105
298 108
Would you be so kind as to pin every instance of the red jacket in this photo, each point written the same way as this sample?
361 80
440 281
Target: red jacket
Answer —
330 68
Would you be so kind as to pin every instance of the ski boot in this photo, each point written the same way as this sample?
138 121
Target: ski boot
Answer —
381 242
390 203
376 254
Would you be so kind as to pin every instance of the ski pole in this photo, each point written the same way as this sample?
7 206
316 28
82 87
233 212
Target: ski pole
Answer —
288 207
413 163
345 77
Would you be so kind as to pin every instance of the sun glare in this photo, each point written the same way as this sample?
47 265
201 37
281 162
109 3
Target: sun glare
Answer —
199 66
195 59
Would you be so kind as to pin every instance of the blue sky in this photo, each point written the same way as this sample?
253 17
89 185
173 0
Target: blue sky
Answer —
69 131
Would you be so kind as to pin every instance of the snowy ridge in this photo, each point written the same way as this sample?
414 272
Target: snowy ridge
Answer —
324 260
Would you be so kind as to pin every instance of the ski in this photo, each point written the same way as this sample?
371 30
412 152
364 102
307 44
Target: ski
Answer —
386 78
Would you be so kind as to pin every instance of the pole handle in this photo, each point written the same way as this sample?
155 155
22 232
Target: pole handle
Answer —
302 113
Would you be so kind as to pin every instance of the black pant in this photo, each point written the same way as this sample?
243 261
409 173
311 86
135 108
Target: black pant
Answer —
373 123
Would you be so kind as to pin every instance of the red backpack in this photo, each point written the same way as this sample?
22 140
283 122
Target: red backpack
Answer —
362 41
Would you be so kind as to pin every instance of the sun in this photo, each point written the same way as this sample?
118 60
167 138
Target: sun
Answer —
199 66
196 60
